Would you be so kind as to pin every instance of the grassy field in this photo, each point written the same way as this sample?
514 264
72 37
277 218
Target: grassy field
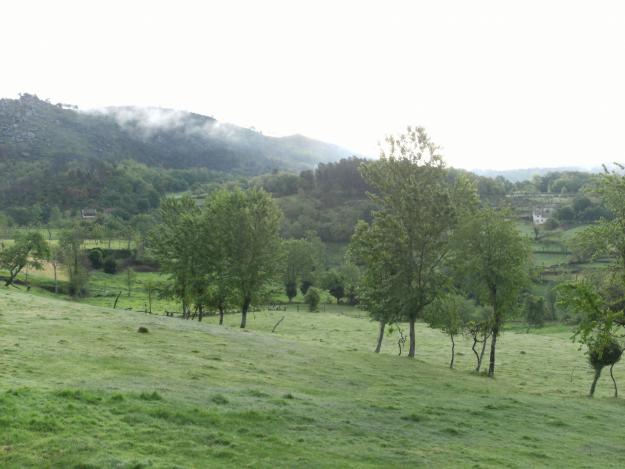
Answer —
80 388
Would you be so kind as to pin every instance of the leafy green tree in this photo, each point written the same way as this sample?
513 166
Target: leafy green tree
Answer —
606 238
248 223
312 299
479 330
29 249
74 258
493 258
109 266
334 282
450 314
600 325
301 263
378 292
535 311
96 258
175 244
418 208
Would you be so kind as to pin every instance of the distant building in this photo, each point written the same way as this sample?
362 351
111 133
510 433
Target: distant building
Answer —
88 213
541 215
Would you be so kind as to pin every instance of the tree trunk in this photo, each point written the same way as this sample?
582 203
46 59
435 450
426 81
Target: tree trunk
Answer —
244 309
477 355
493 345
200 313
56 282
380 336
453 350
221 316
594 381
481 359
614 381
411 348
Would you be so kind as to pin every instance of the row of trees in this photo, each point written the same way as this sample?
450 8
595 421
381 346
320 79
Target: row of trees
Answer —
222 255
30 250
429 239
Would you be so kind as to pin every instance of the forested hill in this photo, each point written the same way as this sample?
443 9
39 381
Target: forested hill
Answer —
66 157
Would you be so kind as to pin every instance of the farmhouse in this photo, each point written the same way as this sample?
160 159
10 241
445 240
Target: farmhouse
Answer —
88 214
541 215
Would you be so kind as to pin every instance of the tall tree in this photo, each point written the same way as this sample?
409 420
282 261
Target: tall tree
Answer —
247 233
74 258
418 208
28 250
493 258
377 291
175 243
300 264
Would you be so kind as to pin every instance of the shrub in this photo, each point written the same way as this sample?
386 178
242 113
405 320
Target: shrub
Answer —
96 258
110 265
312 299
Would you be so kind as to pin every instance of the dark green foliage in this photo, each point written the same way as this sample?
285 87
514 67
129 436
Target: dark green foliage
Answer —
312 299
109 265
605 354
492 260
290 289
334 282
99 160
28 250
306 284
535 311
96 257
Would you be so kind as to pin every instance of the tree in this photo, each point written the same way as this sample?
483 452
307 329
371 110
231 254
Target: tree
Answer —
600 321
96 257
450 314
301 263
479 331
70 243
131 275
371 249
110 265
247 224
55 260
312 299
493 259
28 250
600 355
334 282
175 244
606 238
418 208
534 311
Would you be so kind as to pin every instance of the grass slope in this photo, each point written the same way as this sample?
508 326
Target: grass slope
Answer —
79 387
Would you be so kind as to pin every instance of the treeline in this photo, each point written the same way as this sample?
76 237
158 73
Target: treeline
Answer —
125 188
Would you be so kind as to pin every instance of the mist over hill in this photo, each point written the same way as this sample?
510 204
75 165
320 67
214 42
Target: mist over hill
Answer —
57 154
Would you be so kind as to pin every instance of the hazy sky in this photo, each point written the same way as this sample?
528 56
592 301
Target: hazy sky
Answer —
497 84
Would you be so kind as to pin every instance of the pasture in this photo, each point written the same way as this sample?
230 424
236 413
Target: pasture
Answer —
81 388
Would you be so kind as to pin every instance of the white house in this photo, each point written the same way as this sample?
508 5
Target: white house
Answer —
541 215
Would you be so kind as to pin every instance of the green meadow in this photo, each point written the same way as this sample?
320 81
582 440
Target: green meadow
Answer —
81 388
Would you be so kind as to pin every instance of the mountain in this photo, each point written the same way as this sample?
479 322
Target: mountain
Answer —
526 174
55 153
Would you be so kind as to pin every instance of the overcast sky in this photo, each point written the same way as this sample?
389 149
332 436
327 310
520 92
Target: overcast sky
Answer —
497 84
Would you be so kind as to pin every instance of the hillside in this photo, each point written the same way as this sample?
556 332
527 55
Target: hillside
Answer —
67 157
80 387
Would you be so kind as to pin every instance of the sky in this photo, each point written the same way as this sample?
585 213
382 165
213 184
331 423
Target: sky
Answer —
497 84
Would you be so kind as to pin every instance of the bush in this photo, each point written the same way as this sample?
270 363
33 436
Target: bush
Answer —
312 299
110 266
96 258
